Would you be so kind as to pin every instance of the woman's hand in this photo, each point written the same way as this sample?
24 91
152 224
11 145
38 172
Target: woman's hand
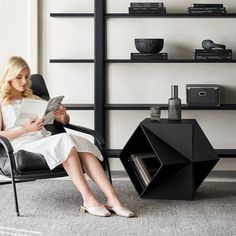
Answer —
61 115
34 124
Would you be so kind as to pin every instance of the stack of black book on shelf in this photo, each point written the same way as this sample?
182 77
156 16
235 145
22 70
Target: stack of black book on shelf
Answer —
145 166
213 54
149 56
211 9
156 8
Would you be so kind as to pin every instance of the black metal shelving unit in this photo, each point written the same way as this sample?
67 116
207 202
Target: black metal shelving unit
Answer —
100 60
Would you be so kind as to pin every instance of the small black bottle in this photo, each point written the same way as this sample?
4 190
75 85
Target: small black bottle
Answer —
174 104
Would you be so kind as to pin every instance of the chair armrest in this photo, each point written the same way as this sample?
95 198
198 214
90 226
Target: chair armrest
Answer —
9 150
85 130
6 144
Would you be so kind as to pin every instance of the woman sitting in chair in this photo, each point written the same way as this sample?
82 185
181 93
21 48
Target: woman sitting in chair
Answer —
75 153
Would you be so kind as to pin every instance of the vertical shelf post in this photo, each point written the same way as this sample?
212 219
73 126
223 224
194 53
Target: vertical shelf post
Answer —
100 73
99 66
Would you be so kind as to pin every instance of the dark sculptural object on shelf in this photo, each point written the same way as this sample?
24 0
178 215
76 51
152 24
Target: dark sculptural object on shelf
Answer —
149 45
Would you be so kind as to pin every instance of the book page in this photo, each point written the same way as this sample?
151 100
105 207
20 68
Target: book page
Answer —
30 108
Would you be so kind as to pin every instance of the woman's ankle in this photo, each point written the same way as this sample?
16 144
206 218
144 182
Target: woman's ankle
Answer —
91 201
113 201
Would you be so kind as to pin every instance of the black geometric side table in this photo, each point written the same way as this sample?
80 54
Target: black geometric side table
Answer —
184 157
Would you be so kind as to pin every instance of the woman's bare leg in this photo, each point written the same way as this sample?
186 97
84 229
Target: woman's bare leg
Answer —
95 171
74 169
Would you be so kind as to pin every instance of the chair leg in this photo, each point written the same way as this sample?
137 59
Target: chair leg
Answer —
15 196
15 193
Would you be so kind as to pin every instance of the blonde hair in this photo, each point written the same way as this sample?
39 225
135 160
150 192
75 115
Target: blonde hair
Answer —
12 69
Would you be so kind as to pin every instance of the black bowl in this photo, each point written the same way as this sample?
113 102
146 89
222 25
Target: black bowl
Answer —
149 45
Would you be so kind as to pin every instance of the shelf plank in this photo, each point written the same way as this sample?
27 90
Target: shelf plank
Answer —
170 15
79 106
167 15
167 61
71 14
223 153
138 61
147 107
226 153
71 61
165 107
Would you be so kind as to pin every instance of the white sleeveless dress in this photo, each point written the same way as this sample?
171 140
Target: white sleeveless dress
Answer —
54 148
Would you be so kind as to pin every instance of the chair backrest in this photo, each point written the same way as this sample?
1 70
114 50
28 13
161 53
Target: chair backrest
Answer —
40 89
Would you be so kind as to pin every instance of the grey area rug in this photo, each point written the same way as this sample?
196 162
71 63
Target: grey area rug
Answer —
51 207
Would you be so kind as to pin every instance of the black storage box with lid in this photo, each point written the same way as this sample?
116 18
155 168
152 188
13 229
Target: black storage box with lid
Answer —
203 94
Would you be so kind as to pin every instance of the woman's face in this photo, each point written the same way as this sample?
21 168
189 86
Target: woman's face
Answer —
21 81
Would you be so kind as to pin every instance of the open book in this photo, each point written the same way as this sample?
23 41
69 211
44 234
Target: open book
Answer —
31 108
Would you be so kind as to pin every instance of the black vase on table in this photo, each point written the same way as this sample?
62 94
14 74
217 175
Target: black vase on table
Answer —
174 104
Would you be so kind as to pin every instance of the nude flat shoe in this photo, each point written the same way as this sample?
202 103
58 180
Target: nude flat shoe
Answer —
96 211
121 211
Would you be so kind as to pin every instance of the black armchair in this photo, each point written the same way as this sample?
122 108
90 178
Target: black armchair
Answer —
25 165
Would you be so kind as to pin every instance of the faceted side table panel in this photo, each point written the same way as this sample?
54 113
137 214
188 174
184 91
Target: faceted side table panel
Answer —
138 143
201 170
164 183
185 157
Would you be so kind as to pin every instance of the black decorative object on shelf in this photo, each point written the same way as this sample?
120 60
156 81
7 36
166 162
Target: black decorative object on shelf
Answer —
209 44
184 157
174 104
147 45
155 113
203 94
149 50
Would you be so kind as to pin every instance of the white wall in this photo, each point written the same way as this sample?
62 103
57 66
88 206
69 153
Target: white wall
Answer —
18 24
68 38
